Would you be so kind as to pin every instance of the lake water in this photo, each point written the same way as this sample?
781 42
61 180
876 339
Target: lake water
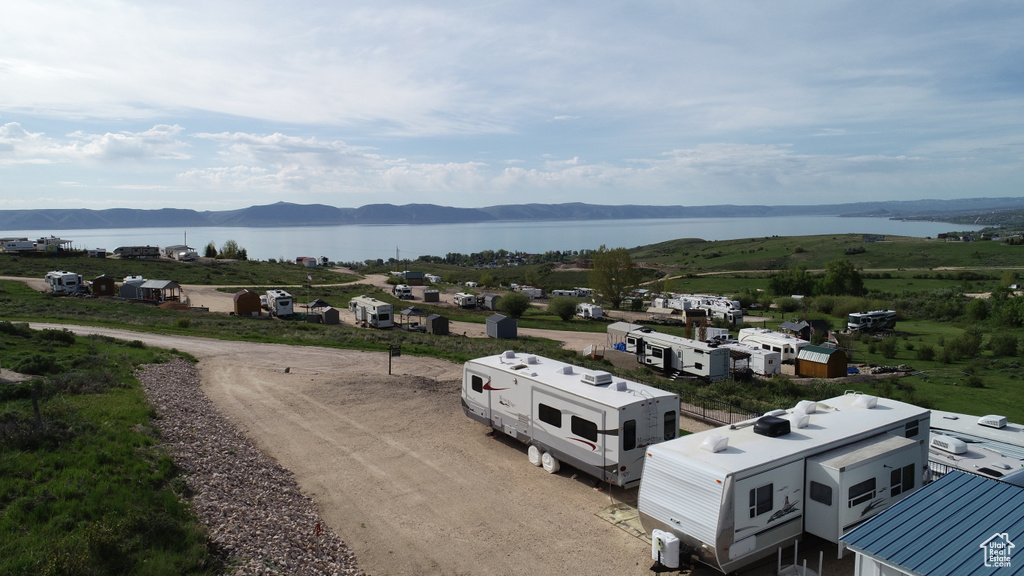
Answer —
355 243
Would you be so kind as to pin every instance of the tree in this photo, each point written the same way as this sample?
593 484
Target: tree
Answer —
841 279
514 304
563 307
210 251
795 280
232 251
613 276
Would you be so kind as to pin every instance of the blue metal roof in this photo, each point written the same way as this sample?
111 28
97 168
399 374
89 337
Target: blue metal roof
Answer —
939 530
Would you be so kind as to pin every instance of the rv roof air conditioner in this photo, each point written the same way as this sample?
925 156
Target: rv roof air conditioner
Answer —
948 444
865 401
806 407
599 378
992 421
715 443
771 426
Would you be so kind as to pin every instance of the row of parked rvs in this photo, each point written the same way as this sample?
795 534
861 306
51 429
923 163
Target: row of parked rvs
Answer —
729 496
718 307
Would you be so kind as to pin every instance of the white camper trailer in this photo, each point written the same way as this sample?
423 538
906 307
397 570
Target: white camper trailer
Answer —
591 311
402 291
465 300
788 346
734 494
760 361
948 452
872 321
585 418
675 354
373 312
717 307
278 303
64 282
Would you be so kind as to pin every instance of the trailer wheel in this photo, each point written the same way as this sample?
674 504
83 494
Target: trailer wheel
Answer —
535 455
550 463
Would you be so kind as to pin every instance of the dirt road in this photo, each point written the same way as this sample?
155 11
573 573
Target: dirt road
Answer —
410 483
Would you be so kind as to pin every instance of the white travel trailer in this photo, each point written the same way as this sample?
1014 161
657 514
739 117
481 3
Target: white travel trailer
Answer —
530 291
674 354
64 282
402 291
948 452
22 245
565 293
465 300
592 311
871 321
588 419
786 345
733 495
373 312
278 303
761 362
718 307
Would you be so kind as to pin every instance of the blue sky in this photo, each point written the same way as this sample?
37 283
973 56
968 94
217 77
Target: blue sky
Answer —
221 105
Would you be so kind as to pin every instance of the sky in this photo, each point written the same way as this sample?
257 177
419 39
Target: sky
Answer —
223 105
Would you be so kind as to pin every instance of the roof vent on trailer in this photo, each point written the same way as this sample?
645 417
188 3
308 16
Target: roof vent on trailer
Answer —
509 354
714 443
992 421
865 401
531 359
948 444
771 426
798 419
806 407
620 386
598 378
565 370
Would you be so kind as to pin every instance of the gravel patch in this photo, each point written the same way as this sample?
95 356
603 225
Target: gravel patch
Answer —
252 507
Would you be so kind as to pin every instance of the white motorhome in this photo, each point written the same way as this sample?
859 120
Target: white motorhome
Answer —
588 419
64 282
402 291
278 302
591 311
733 495
760 361
786 345
871 321
373 312
465 300
671 354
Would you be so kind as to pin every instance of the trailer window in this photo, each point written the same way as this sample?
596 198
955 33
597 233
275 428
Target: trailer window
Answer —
383 317
477 383
901 480
761 500
698 365
911 429
549 415
629 435
657 352
671 425
583 428
862 492
821 493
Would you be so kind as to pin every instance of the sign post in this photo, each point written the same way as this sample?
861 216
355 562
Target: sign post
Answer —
394 351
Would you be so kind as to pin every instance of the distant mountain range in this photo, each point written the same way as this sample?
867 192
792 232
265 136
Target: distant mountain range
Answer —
288 214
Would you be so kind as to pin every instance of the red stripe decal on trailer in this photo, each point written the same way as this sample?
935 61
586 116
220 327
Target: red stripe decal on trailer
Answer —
591 444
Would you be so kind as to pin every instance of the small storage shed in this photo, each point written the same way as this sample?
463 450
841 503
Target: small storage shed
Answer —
331 315
413 278
500 326
247 303
437 325
431 296
820 362
131 288
489 301
104 286
959 524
